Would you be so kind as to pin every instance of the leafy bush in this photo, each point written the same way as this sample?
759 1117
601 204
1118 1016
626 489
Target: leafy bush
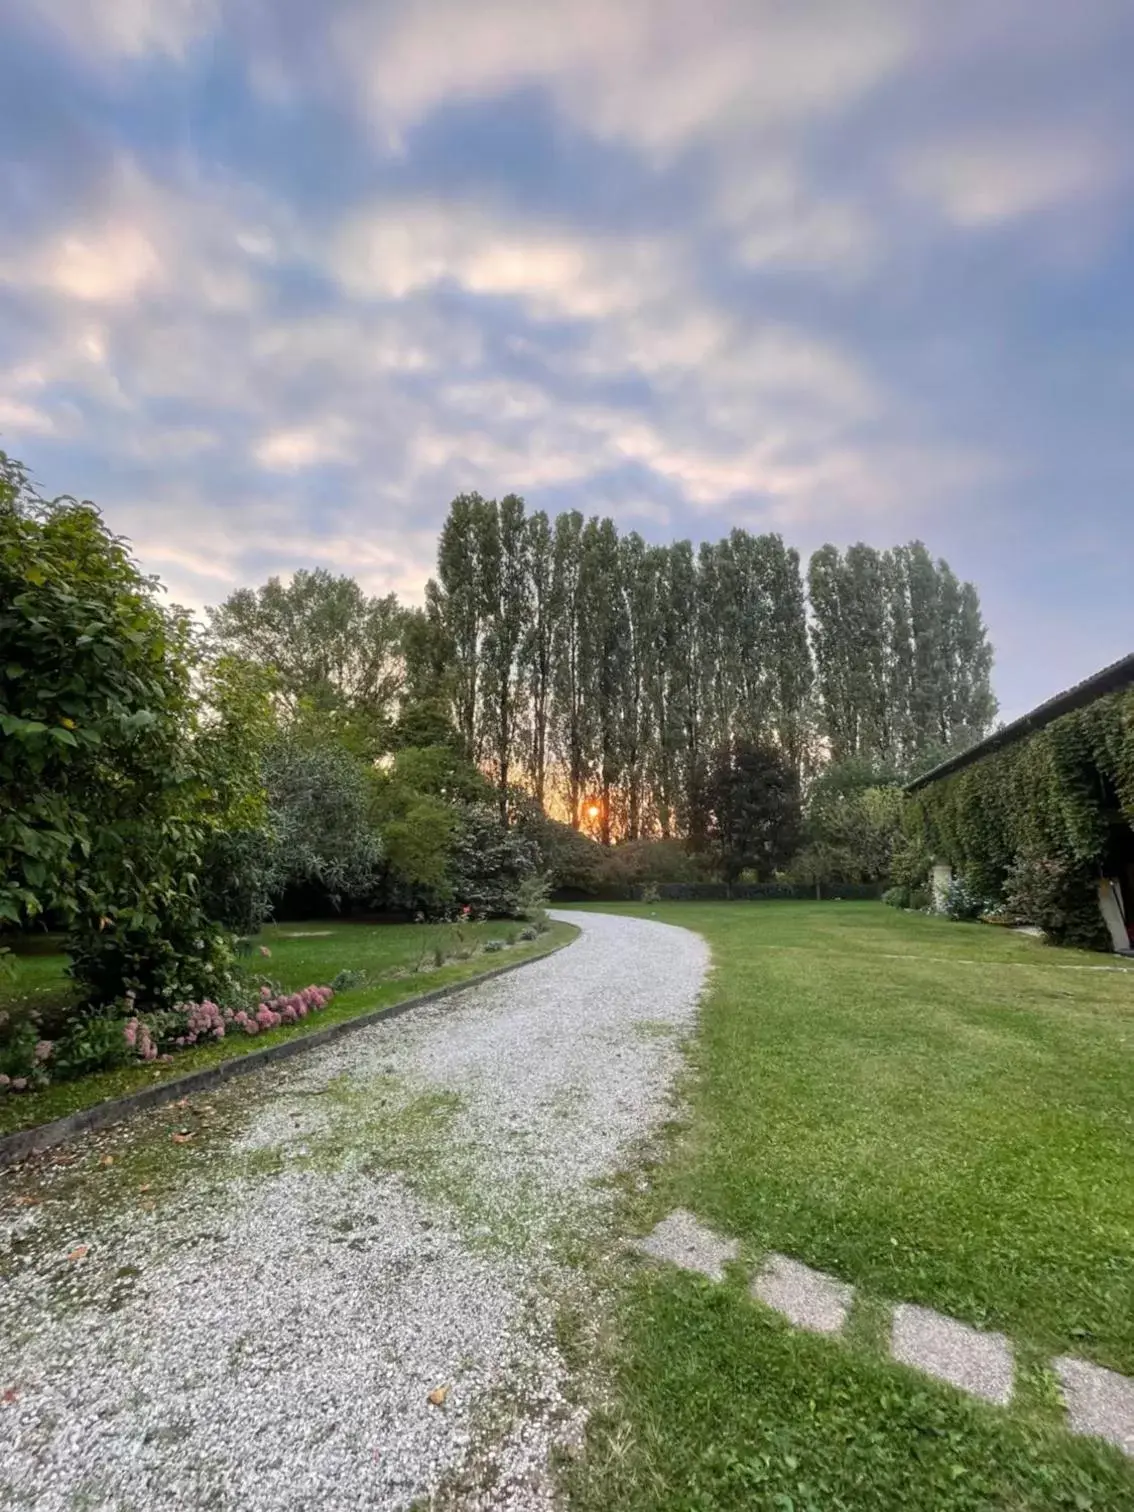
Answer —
101 1041
570 860
921 899
19 1060
161 950
319 806
492 946
962 902
1053 798
1057 897
529 933
649 893
94 1042
897 897
348 980
494 868
636 863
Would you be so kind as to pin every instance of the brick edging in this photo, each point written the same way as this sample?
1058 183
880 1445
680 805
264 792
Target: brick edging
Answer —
25 1142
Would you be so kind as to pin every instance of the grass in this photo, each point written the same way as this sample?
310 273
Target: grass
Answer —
938 1113
398 960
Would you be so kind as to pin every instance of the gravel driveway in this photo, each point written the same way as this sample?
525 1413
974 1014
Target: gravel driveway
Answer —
256 1312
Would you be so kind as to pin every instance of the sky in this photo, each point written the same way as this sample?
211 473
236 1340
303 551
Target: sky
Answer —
279 279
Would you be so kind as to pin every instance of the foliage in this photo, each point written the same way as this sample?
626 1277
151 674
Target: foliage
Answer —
853 824
236 727
1056 896
532 897
897 897
335 654
1062 795
102 1041
961 903
636 862
348 980
605 670
320 813
569 859
902 654
492 866
754 809
110 799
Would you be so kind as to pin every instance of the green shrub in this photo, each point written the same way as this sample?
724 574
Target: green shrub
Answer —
1058 897
348 980
897 897
492 946
1052 798
961 901
94 1042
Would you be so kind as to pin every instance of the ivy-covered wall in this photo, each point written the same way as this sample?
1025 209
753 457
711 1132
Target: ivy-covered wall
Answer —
1054 797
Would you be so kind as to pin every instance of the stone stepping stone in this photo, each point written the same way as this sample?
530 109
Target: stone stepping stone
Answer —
807 1298
976 1362
681 1240
1099 1402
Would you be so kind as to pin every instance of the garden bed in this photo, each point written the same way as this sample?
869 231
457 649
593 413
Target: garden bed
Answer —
397 962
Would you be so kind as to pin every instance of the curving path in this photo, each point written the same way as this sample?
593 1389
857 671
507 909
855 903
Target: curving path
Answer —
256 1314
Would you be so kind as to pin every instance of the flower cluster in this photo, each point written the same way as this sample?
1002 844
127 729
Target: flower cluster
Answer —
145 1036
138 1037
206 1020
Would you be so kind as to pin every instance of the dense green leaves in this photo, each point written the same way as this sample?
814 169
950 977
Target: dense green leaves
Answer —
600 671
753 804
336 655
1065 795
901 652
109 801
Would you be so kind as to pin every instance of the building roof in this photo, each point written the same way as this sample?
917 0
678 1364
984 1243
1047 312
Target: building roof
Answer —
1112 679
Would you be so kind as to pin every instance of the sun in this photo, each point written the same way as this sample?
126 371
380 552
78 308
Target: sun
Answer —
593 811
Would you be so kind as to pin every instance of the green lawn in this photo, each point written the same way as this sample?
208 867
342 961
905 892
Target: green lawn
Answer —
398 959
938 1113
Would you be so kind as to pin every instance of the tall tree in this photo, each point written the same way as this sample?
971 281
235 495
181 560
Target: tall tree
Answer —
606 648
504 581
754 810
329 645
638 573
537 652
572 711
459 601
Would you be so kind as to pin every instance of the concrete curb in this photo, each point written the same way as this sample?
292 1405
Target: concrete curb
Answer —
25 1142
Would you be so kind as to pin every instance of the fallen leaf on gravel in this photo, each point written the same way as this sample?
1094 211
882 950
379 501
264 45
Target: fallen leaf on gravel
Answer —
438 1394
182 1102
148 1207
79 1251
107 1160
183 1138
10 1396
27 1201
145 1186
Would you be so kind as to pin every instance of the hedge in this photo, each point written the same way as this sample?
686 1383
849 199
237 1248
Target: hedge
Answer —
1056 796
714 892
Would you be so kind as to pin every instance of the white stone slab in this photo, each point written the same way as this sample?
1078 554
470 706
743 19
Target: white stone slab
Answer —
681 1240
976 1362
807 1298
1099 1402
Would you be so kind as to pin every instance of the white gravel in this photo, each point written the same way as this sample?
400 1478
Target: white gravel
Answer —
679 1239
346 1233
807 1298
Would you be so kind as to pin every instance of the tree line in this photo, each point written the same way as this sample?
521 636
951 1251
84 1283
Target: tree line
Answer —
605 675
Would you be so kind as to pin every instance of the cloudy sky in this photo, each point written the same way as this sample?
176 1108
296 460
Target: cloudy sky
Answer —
279 278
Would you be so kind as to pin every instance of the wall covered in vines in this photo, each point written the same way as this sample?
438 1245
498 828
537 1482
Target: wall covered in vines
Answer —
1055 796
